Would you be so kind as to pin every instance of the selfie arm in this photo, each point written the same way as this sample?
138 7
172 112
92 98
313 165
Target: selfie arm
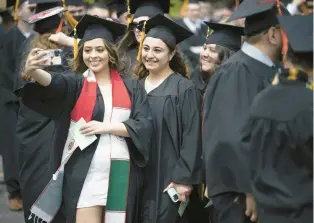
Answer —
41 76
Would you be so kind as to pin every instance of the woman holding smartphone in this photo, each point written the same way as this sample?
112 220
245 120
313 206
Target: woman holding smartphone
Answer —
103 130
175 158
35 132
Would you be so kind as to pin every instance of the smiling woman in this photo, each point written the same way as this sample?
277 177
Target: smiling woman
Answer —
102 179
175 159
222 42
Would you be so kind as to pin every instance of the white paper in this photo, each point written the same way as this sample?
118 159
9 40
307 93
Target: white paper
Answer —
80 139
183 206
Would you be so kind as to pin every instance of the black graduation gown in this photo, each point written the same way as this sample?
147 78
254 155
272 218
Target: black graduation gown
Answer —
228 97
131 60
34 131
9 109
176 147
197 78
280 139
57 101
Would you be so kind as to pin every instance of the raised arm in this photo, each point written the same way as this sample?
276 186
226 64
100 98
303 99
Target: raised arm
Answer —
34 67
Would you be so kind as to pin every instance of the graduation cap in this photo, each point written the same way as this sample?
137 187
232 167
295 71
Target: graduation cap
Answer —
148 8
47 20
92 27
43 5
160 27
260 15
74 2
225 35
5 4
299 31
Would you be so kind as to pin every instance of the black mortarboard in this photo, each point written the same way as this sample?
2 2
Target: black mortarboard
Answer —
42 5
225 35
74 2
260 15
91 27
148 8
9 3
119 6
299 31
161 27
47 20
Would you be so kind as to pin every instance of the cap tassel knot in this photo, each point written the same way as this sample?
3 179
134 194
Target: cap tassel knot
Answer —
72 21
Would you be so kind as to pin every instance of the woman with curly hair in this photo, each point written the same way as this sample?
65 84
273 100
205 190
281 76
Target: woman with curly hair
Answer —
102 134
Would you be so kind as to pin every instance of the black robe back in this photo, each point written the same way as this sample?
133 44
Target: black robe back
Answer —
280 144
228 97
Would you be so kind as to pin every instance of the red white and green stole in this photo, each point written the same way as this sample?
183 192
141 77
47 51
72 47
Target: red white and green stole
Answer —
49 202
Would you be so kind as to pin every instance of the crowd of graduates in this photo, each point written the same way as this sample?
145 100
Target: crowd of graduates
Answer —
118 112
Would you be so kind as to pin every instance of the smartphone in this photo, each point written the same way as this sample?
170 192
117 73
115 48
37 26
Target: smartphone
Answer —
173 195
53 57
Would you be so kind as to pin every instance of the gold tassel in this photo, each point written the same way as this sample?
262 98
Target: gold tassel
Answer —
184 7
72 21
309 85
208 32
293 74
139 53
276 80
16 8
75 46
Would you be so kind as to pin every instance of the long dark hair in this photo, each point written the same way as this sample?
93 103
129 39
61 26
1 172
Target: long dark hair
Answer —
177 64
114 59
127 42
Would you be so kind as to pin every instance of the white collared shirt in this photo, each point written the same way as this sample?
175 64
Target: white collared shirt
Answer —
255 53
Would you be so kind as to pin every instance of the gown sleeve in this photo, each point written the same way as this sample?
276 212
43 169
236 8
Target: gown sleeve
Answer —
51 101
139 126
188 169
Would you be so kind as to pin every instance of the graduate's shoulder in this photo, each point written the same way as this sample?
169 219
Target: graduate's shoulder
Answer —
282 102
237 64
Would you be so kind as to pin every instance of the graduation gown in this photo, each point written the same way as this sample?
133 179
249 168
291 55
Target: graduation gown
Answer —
198 80
9 108
131 56
33 131
176 147
57 101
280 144
228 97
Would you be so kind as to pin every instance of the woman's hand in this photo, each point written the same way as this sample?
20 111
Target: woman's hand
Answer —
95 127
34 61
183 191
62 39
251 210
